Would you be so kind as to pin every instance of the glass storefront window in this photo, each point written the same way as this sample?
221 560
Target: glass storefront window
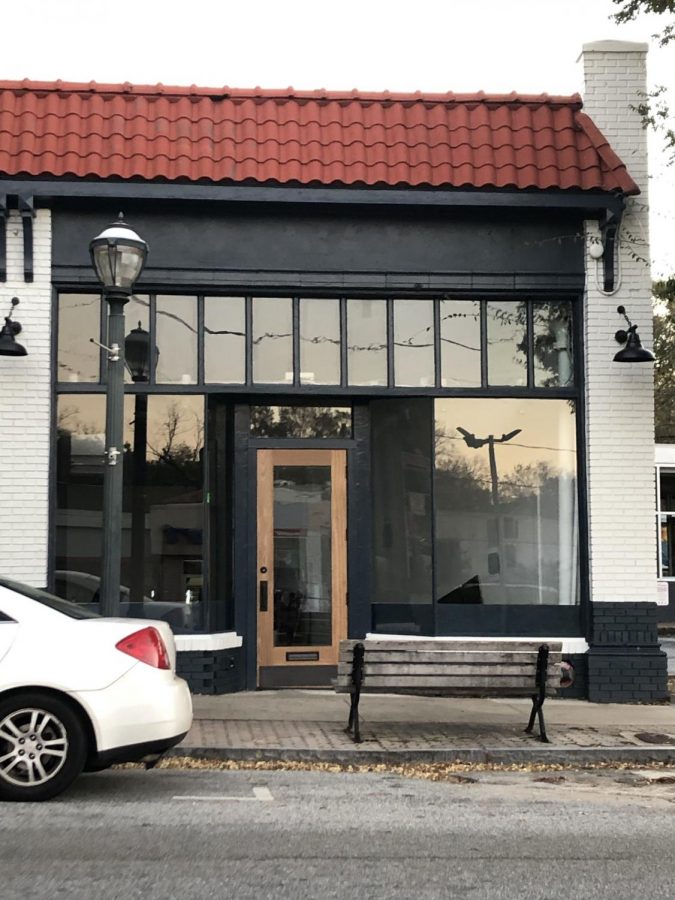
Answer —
460 343
319 341
553 357
506 343
506 501
665 516
225 340
401 483
137 314
272 340
367 342
417 343
176 339
414 343
301 421
163 508
79 320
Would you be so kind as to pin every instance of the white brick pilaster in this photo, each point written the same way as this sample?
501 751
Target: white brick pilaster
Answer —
25 409
619 396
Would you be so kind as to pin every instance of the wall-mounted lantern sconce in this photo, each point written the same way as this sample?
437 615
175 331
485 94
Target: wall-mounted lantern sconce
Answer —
9 346
596 248
633 351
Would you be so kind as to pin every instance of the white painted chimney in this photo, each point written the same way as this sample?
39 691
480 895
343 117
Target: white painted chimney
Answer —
620 396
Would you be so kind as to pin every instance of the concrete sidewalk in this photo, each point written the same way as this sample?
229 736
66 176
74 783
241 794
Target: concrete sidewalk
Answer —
308 725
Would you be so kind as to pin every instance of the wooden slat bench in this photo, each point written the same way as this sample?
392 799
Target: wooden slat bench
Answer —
450 668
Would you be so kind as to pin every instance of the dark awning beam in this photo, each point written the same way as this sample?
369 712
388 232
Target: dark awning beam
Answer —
594 204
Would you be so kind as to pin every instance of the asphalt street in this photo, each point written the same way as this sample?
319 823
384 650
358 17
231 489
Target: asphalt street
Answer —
258 834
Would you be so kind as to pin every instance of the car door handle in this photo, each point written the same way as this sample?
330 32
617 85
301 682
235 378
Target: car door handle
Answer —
263 596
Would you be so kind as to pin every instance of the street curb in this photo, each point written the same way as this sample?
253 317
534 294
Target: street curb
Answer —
553 756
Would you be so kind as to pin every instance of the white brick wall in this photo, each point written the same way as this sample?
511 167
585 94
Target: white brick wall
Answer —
25 409
619 396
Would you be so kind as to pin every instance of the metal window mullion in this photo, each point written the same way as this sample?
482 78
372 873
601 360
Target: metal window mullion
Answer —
344 375
248 330
103 339
200 339
529 341
390 343
437 341
295 330
483 344
152 328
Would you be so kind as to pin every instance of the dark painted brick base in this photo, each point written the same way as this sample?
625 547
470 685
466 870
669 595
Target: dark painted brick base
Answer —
625 664
211 671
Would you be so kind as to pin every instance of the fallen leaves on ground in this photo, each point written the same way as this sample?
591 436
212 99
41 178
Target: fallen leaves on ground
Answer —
449 772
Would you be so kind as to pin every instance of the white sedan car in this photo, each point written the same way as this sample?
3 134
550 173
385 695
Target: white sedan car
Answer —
79 692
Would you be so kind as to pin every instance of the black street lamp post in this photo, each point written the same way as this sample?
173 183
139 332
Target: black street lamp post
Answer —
137 353
118 256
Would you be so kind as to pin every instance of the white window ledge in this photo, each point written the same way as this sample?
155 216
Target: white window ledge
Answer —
226 640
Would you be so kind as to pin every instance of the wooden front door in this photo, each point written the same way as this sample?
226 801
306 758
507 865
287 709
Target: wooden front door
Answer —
302 559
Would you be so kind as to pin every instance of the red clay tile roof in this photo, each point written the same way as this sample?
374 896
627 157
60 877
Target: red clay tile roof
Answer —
327 138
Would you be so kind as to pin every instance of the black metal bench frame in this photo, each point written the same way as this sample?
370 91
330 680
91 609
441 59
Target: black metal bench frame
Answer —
538 695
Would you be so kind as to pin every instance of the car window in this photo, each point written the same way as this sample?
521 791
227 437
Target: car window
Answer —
70 590
55 603
4 618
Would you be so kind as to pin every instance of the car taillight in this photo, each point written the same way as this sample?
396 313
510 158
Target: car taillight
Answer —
147 646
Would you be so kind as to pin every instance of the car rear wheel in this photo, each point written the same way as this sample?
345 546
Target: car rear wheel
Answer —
43 746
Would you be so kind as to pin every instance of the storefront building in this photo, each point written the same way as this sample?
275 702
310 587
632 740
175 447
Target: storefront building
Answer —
378 392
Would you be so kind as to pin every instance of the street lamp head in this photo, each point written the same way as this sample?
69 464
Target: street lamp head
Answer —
118 255
137 354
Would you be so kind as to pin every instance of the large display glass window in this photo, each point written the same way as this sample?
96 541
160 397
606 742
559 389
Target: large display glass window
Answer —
505 500
163 508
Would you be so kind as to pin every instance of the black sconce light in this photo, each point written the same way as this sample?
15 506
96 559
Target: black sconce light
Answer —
633 352
9 346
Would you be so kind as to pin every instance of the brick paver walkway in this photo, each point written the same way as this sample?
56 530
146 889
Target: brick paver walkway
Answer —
270 735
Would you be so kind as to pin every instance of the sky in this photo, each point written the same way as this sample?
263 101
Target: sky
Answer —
530 46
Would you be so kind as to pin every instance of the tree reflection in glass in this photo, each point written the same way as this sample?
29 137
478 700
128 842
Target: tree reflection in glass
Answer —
301 421
553 358
506 340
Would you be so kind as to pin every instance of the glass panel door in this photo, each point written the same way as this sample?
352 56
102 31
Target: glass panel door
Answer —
301 556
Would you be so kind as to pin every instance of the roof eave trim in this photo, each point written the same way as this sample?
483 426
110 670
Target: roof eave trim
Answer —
595 203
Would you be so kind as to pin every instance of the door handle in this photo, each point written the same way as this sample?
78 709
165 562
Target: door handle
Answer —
263 596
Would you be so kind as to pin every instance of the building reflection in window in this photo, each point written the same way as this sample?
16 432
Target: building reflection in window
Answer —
506 510
162 528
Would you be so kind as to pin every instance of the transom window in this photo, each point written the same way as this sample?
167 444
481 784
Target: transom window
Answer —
365 344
